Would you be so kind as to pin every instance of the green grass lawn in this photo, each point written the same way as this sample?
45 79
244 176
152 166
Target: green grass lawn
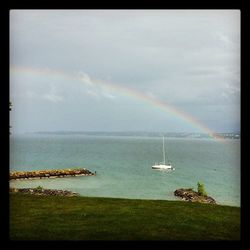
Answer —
85 218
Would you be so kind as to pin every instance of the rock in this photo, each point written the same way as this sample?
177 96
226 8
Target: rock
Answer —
50 173
14 190
47 192
190 195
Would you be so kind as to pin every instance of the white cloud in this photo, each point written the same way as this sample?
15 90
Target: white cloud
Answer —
108 95
92 93
150 94
85 78
53 98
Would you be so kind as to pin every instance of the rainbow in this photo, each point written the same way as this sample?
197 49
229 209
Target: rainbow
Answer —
130 92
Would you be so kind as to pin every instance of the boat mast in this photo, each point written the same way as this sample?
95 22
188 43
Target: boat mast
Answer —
163 150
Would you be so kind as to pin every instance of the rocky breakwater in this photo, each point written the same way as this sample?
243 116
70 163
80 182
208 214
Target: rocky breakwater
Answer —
42 191
191 195
50 173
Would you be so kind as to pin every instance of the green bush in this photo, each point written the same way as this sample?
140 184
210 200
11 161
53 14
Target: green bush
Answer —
39 188
201 189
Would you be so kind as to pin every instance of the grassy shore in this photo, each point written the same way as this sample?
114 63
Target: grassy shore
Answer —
85 218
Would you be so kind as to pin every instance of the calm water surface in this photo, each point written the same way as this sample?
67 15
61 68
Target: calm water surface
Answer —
123 165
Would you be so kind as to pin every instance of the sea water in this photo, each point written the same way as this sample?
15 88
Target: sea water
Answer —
123 165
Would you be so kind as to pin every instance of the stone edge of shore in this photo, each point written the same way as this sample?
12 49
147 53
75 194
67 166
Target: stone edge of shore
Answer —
43 192
192 196
54 173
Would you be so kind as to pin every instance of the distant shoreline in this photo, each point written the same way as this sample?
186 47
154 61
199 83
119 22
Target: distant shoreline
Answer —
191 135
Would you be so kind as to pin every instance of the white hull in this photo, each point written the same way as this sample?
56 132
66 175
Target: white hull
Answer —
162 167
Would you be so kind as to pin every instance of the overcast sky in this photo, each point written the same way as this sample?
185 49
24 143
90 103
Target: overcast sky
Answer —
189 60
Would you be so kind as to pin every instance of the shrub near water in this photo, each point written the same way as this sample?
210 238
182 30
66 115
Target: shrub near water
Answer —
39 188
201 189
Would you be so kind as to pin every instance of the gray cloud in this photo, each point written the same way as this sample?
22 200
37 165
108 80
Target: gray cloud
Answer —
189 59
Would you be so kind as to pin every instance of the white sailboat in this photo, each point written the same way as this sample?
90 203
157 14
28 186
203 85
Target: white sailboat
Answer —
164 165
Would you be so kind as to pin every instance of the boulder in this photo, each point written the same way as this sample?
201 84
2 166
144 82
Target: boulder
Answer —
191 195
